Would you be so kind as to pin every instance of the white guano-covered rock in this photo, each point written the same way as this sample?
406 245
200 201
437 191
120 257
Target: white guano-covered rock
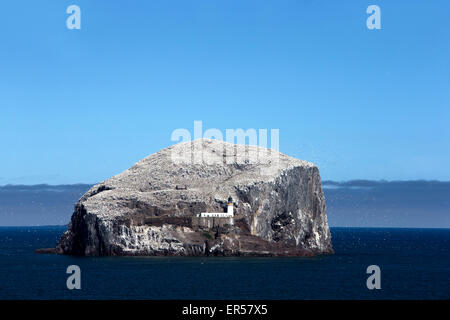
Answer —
149 208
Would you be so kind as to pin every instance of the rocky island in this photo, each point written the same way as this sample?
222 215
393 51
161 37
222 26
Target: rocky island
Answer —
154 207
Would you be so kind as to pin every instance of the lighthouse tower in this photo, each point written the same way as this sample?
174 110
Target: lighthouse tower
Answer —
230 207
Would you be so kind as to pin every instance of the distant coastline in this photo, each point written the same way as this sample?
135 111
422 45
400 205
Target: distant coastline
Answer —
343 183
353 203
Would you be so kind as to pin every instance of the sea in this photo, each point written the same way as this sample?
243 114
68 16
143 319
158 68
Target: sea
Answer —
414 264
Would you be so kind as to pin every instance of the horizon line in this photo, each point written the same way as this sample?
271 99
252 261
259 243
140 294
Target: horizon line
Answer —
350 227
323 182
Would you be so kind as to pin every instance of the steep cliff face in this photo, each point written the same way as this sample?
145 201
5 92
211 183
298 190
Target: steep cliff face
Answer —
148 209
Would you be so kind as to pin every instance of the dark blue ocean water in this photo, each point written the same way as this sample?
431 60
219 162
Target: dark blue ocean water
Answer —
415 264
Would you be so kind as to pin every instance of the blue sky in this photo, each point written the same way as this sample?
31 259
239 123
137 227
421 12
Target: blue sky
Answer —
83 105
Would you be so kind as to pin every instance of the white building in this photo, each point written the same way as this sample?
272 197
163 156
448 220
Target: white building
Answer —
228 214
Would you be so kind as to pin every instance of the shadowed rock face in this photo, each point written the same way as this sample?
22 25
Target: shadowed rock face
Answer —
148 209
